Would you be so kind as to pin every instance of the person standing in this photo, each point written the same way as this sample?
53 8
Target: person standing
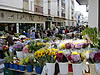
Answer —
33 34
9 39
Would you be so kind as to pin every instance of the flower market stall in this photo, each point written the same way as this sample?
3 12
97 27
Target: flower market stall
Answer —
53 56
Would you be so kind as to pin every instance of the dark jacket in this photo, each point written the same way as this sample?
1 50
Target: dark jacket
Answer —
10 40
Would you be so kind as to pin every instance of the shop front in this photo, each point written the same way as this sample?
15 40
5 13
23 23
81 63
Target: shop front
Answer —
14 22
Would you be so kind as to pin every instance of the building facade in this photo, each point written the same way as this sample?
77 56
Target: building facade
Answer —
20 15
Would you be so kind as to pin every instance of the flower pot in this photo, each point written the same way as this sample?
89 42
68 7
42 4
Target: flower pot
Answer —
11 65
93 70
63 68
19 54
38 70
51 68
16 67
77 69
6 65
21 67
29 68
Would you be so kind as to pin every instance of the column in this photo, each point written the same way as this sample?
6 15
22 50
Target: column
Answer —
17 27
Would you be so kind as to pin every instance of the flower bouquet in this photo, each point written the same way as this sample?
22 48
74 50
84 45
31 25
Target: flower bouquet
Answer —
63 62
75 58
18 48
50 59
29 60
39 60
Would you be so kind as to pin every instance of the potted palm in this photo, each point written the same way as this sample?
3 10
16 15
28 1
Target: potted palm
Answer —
39 60
50 59
29 60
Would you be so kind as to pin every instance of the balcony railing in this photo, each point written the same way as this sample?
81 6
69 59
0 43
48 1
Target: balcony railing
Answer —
48 11
38 9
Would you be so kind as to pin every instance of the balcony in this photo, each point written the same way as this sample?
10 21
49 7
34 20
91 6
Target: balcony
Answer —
48 11
38 9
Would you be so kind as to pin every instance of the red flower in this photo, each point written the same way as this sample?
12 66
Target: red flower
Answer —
97 56
59 57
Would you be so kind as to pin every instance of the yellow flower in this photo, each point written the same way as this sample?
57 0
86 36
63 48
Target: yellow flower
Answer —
49 53
75 53
53 53
36 54
42 53
88 51
60 52
55 57
39 54
55 50
39 43
27 46
63 46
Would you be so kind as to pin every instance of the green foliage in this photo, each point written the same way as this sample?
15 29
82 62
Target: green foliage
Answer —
34 47
47 39
29 60
9 57
92 33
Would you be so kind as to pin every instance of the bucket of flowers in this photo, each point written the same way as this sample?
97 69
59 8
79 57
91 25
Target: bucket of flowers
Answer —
29 60
63 62
50 61
39 60
94 60
75 59
9 60
18 48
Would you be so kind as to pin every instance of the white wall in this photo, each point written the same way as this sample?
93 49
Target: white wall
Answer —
31 6
93 13
45 7
53 8
15 5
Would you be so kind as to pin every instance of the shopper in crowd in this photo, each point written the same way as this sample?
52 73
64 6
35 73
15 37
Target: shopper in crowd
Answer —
56 30
36 35
9 39
28 33
44 34
48 33
66 30
24 33
32 36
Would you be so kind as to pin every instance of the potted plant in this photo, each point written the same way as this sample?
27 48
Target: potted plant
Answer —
50 59
63 63
16 63
39 60
9 60
18 48
29 60
22 65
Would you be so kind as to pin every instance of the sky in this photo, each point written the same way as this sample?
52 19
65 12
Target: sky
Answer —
81 8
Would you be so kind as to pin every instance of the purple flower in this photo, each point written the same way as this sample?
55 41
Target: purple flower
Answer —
76 58
91 55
